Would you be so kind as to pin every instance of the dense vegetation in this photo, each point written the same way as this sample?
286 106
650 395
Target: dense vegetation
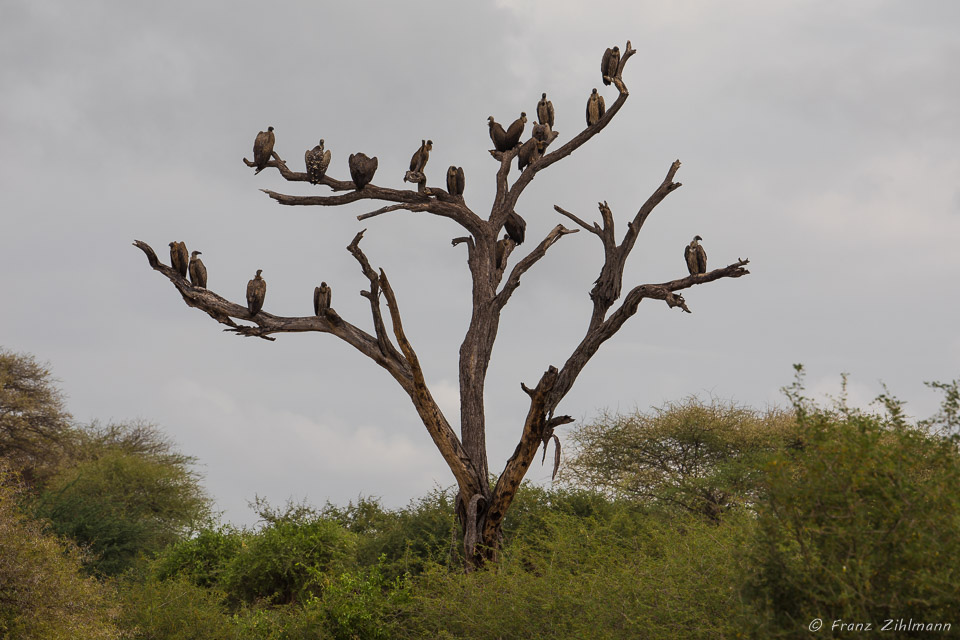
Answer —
694 520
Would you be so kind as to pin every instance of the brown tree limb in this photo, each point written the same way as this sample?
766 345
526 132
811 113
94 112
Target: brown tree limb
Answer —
535 431
592 228
432 417
373 295
528 261
222 310
599 334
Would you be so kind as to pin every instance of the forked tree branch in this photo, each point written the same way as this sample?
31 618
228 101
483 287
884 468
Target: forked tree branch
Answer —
404 369
430 414
531 259
509 201
596 336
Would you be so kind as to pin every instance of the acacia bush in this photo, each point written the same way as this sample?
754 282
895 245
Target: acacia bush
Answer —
858 522
695 456
44 594
126 492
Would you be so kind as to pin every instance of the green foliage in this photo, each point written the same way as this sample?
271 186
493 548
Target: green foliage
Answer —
287 560
127 493
203 558
43 594
35 431
361 604
403 541
856 522
689 455
172 609
582 578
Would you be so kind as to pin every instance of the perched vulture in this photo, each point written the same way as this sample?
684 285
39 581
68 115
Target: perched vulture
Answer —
541 132
695 256
608 67
498 135
317 161
455 181
419 160
595 108
545 111
321 299
515 227
263 149
256 292
179 258
512 138
362 169
198 272
529 153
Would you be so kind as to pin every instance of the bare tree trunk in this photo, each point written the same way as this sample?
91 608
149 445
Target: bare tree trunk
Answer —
480 507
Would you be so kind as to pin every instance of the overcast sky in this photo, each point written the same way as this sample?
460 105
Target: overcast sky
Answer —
818 139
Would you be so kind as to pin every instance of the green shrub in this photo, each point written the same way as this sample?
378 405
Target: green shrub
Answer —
202 558
286 560
174 609
857 523
43 592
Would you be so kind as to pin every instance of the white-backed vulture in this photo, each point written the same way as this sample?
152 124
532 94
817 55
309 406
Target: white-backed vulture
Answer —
198 272
321 299
695 257
362 169
455 181
514 132
179 258
516 227
263 148
609 64
528 154
545 111
419 160
497 135
595 108
256 292
317 161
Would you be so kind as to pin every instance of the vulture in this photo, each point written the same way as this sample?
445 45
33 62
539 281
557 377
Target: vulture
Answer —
608 67
595 108
321 299
545 111
179 258
514 132
529 153
256 292
542 133
198 272
263 149
317 161
362 169
695 256
455 181
498 135
516 227
419 160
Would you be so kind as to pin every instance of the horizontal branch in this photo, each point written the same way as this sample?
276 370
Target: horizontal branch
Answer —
599 334
592 228
222 310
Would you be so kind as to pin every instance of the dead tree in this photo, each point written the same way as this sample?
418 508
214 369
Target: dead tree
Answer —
481 506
